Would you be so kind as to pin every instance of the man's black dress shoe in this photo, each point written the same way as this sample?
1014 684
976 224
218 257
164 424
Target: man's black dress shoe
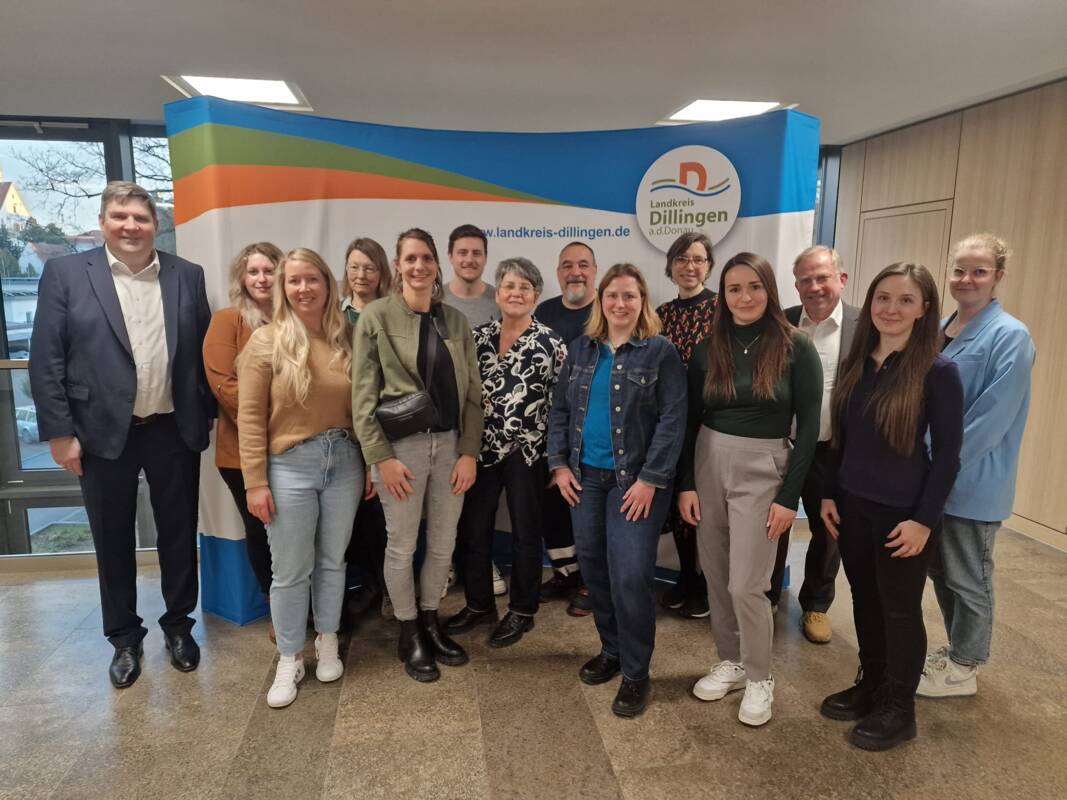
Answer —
125 666
467 619
510 629
184 651
632 698
599 669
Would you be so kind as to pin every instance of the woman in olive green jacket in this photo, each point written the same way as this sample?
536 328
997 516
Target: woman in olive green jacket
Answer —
432 468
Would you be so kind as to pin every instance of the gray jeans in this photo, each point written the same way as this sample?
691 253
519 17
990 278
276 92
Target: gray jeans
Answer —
736 480
431 457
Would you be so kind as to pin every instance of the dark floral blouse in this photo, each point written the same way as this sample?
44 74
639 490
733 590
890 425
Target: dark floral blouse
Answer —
688 322
517 390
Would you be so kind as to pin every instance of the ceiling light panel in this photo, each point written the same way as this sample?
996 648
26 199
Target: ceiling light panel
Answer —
716 110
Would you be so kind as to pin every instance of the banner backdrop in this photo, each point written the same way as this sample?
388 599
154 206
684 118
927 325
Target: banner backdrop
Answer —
244 174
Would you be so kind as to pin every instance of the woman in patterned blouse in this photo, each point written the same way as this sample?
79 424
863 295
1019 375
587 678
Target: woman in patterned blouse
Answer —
519 359
687 322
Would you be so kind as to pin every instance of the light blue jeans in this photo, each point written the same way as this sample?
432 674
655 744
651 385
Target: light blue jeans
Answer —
962 573
431 457
316 487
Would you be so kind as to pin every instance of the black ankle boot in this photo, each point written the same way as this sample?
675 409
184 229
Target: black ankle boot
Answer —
891 722
444 649
416 653
853 703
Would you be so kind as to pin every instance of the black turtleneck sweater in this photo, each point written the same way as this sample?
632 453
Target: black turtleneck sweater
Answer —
798 393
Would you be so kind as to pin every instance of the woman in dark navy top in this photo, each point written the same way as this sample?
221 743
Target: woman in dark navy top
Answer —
887 490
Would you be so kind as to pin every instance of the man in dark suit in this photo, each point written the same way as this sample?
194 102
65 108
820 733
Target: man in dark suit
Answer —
117 374
831 323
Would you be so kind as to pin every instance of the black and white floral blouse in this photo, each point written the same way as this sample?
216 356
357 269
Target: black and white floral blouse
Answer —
517 390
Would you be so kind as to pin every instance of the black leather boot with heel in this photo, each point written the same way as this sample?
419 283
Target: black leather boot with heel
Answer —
416 653
445 650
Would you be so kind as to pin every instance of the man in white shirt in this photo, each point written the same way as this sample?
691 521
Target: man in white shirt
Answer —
831 323
117 374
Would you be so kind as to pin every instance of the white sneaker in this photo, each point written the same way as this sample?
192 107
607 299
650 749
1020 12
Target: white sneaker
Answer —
940 652
725 677
756 704
499 587
329 667
283 691
943 677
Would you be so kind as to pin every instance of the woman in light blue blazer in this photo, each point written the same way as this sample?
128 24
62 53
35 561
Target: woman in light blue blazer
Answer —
994 353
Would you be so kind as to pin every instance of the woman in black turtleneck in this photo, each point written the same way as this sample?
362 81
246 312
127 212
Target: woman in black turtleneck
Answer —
740 477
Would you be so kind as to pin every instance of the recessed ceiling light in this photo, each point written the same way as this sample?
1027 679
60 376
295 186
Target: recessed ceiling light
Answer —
271 93
715 110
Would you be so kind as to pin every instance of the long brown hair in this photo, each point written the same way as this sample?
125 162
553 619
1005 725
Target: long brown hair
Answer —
775 346
648 324
897 402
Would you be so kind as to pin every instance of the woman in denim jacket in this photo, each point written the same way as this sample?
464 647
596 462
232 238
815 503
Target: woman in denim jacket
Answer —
615 435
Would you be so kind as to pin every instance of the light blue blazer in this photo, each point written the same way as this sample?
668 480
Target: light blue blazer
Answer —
995 355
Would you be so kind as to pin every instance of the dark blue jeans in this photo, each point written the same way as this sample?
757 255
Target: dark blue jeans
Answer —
618 563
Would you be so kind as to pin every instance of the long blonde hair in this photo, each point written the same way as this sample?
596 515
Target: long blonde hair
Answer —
291 342
648 323
239 297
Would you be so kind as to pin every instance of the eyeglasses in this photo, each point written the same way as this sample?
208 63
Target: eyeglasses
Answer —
521 288
978 273
696 261
365 269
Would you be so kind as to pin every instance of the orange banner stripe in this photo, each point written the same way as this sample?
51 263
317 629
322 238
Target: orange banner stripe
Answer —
228 185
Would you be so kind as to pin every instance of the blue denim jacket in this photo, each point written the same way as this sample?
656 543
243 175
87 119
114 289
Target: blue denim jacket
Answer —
648 396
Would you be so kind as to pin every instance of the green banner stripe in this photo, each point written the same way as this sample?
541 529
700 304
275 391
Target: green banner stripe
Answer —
206 145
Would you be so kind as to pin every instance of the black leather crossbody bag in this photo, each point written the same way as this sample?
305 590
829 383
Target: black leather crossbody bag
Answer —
415 412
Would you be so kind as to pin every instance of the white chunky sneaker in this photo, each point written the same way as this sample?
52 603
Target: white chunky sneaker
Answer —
283 691
943 677
499 587
756 705
940 652
329 667
725 677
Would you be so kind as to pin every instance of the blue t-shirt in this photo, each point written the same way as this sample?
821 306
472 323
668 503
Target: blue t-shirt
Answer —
596 436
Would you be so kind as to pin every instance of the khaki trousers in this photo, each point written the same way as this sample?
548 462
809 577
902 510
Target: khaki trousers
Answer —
736 480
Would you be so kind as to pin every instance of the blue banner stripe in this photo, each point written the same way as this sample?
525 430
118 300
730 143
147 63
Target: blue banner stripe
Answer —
776 154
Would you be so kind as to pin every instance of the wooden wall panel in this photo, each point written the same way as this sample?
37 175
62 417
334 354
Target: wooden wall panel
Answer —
912 165
1013 181
915 233
846 229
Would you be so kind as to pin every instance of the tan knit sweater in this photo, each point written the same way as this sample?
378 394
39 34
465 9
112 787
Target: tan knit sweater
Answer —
267 422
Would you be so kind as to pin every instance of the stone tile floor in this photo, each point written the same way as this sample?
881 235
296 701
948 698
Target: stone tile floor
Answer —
514 723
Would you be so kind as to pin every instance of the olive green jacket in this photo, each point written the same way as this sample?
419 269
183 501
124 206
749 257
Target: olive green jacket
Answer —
385 351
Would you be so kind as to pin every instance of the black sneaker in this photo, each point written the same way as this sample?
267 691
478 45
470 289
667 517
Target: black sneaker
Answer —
581 604
695 608
673 597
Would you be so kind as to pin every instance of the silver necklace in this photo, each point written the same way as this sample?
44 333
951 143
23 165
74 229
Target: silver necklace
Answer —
747 347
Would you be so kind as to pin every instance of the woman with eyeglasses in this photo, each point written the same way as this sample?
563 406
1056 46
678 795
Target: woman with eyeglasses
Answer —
897 427
741 479
995 354
519 359
303 472
417 403
367 278
686 323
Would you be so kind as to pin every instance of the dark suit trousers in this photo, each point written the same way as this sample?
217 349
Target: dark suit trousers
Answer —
823 560
109 487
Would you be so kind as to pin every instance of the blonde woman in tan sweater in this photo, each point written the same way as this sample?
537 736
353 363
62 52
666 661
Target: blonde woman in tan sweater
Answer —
303 472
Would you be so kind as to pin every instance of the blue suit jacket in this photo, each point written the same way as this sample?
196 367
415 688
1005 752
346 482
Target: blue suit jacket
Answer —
82 372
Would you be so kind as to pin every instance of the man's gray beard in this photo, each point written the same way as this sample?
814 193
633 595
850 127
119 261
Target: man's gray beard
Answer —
574 293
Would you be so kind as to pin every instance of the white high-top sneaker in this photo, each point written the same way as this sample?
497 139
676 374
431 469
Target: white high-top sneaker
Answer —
943 677
725 677
329 667
283 691
756 704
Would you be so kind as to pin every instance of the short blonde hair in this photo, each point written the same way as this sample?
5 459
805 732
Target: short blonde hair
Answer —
648 322
239 297
989 242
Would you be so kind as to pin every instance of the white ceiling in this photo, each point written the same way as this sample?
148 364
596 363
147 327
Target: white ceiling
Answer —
861 66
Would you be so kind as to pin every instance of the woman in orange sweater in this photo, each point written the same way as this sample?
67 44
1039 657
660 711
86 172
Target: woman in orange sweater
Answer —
251 292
